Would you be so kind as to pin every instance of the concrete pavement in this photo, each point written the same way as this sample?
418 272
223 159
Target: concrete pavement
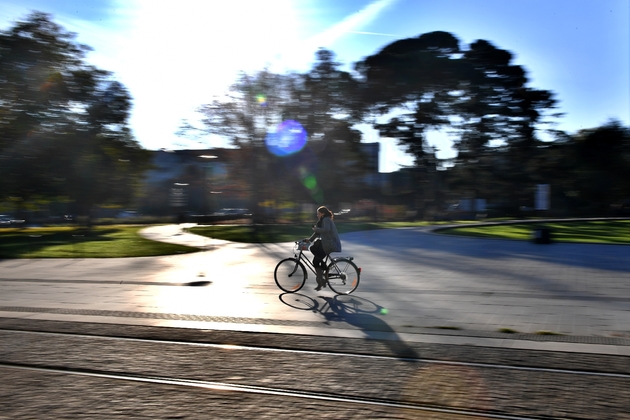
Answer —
416 286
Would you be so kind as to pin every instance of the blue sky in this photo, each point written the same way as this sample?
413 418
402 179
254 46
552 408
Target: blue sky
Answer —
176 55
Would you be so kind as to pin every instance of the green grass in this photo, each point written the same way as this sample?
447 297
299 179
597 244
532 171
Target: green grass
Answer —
601 232
285 233
72 242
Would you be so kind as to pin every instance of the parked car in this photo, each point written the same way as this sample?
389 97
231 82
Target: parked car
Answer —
232 212
127 214
8 221
5 221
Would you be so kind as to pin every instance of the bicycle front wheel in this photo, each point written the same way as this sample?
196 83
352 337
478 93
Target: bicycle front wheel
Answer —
290 275
343 276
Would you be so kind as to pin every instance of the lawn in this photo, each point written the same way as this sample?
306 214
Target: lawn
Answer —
598 232
72 242
285 233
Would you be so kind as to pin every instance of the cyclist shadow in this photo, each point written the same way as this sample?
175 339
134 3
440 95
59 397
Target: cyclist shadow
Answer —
359 313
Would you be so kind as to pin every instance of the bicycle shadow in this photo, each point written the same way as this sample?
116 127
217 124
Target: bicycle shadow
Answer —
357 312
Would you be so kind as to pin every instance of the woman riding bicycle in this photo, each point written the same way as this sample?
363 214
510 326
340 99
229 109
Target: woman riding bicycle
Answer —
328 242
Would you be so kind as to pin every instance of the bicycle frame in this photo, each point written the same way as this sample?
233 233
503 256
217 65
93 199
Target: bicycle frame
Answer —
307 262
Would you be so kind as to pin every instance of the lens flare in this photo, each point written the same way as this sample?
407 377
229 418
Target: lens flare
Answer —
310 182
289 137
262 99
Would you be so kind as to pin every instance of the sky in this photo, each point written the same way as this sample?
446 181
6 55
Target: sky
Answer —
174 56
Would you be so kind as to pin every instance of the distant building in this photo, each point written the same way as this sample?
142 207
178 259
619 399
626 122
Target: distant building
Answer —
189 180
201 181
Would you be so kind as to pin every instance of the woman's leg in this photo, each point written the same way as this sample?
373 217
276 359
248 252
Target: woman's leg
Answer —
318 254
318 261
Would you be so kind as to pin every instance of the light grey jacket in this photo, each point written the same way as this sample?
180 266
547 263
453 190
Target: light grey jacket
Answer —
329 236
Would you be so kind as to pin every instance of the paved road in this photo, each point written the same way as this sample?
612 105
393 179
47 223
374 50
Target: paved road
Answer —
416 286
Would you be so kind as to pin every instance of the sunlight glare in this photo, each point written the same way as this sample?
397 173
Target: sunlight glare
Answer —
168 49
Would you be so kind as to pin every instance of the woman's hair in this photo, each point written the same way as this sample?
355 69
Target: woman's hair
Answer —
326 212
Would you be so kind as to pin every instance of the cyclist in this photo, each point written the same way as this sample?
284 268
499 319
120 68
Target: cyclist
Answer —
327 241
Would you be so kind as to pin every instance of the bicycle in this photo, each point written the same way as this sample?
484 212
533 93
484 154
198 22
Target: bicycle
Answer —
341 274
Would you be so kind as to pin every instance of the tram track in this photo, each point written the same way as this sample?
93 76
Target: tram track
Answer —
334 354
222 386
452 385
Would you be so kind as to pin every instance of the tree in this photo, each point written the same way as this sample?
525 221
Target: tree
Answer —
327 103
63 122
431 83
602 165
253 106
409 88
499 112
321 102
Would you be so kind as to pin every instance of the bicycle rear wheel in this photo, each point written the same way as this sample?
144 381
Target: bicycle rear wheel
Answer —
290 275
343 276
